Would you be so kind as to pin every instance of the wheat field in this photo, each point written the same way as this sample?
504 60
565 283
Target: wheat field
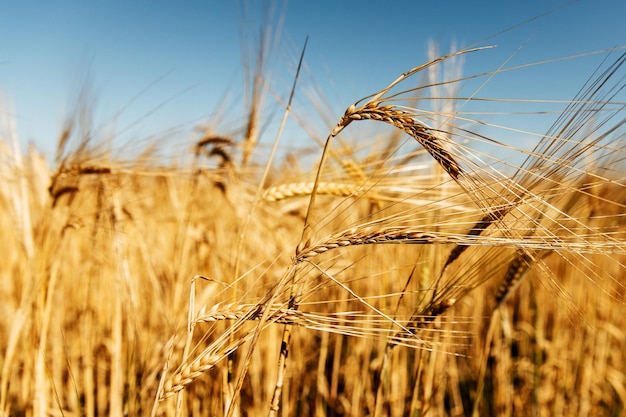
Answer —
422 266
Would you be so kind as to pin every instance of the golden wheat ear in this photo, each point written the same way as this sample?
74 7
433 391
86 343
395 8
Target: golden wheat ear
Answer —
404 121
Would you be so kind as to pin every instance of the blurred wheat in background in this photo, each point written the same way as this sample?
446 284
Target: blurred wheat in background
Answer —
427 266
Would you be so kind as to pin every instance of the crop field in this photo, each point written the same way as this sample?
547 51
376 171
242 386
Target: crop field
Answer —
422 264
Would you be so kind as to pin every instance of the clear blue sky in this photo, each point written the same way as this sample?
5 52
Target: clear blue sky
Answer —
184 57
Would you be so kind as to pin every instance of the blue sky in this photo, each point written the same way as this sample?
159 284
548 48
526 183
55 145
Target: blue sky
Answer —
165 66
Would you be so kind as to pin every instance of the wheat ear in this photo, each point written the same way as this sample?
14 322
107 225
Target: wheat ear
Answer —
369 235
204 362
405 121
283 191
236 311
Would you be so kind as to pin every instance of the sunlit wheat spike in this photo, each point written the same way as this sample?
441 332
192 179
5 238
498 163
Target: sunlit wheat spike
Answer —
239 311
208 359
283 191
191 372
406 122
371 235
380 234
